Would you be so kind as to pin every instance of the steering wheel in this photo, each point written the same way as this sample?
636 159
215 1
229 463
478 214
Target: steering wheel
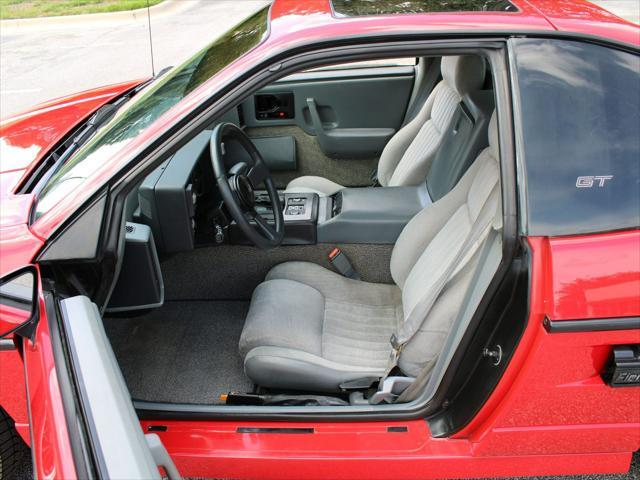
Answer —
237 187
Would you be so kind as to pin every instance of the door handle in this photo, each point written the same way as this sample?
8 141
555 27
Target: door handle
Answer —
324 140
315 117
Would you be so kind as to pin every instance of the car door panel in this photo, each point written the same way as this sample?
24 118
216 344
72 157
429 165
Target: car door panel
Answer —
112 424
310 160
50 443
80 415
347 114
349 98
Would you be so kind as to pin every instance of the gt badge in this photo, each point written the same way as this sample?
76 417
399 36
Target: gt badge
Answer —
589 181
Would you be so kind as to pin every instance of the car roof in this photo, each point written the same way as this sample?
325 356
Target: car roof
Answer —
313 20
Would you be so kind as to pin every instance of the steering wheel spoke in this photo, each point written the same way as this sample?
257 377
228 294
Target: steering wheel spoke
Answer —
237 187
258 174
266 229
240 168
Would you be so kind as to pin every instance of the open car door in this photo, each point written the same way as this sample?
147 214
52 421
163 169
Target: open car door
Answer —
82 421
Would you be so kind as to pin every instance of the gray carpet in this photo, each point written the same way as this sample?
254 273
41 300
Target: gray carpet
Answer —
183 352
312 161
232 272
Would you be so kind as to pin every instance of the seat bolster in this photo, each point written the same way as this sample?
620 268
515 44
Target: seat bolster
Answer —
289 368
312 184
278 318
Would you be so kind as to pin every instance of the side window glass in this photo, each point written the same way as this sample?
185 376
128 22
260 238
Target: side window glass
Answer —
580 125
18 300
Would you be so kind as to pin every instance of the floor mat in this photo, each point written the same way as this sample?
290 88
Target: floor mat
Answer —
184 352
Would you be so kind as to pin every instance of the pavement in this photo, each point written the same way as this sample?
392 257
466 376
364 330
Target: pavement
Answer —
48 58
627 9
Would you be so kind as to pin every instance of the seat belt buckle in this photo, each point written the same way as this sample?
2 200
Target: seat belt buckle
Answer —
342 264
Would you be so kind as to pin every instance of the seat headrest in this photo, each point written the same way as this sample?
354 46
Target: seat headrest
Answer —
464 73
493 136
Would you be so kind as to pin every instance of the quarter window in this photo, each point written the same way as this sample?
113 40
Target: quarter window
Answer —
580 129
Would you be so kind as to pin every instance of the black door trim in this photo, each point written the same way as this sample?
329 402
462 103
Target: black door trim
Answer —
591 325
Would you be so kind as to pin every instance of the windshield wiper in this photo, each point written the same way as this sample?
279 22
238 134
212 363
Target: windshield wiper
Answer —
99 118
57 158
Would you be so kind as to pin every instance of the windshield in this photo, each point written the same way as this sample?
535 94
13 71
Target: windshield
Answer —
150 104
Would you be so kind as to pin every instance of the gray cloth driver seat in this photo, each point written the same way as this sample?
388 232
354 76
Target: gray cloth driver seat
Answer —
311 329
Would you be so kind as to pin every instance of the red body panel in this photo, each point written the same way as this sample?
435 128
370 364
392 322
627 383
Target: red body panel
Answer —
583 17
594 277
353 450
12 391
25 138
550 401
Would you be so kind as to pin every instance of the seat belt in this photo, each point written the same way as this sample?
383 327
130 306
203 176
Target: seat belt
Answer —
421 311
423 376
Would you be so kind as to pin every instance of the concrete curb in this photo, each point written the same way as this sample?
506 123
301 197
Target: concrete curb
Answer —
167 7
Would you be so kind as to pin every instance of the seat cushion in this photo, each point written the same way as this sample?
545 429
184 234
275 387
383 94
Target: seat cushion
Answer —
310 184
334 286
278 318
309 328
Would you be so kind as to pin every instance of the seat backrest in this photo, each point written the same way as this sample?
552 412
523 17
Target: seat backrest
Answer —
407 157
430 243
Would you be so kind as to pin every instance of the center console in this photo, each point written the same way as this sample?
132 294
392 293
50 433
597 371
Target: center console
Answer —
300 214
369 215
353 215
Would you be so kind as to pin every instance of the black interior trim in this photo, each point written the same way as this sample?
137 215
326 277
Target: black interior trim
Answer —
495 50
398 429
475 376
591 325
157 428
287 430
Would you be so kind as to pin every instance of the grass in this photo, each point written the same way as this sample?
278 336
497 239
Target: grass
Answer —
48 8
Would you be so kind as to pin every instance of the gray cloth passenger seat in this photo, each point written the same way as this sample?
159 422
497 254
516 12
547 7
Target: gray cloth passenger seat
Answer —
408 156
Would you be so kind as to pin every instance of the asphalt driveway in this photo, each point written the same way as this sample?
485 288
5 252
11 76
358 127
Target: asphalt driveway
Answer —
41 59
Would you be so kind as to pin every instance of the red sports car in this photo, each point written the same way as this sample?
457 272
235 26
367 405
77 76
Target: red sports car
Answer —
348 239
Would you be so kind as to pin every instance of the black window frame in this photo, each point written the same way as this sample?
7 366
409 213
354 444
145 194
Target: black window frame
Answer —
317 54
